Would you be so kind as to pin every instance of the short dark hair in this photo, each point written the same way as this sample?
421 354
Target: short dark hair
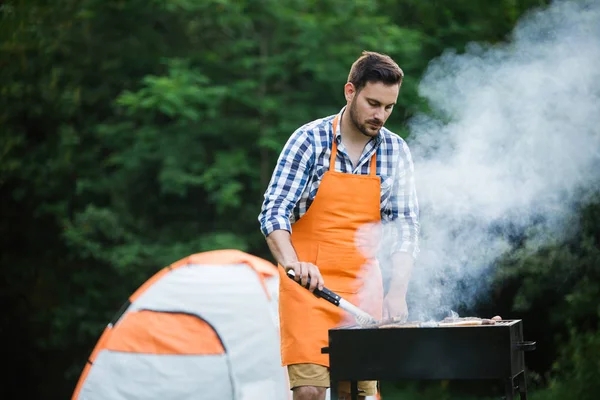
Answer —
374 67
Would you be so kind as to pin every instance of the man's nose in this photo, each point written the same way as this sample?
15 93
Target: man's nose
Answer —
379 113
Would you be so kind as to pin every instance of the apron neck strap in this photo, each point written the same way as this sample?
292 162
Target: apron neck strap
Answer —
372 165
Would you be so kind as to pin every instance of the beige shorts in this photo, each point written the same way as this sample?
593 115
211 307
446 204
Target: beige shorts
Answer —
318 375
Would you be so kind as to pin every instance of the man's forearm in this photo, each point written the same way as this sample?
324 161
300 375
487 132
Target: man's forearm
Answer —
280 244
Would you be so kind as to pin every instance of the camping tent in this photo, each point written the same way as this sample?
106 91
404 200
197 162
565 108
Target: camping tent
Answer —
204 327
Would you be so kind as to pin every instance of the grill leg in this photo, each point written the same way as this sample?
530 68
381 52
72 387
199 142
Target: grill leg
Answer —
522 379
354 390
509 389
333 389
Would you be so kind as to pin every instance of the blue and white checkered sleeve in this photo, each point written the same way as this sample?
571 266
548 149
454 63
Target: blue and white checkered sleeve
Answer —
404 207
287 182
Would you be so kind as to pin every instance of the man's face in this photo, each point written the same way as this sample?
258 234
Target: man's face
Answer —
371 107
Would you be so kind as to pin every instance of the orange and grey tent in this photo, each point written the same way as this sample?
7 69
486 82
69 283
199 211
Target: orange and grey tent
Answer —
204 327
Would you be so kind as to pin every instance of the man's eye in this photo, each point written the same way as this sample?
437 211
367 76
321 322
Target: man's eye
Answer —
389 107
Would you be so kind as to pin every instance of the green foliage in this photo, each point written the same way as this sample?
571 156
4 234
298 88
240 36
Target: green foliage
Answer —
576 374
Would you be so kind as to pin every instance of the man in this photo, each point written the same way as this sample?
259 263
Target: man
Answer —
338 180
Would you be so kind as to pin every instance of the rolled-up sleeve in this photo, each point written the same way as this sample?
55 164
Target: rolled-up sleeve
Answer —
287 183
401 222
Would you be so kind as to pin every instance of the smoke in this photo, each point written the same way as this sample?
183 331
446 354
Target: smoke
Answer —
515 145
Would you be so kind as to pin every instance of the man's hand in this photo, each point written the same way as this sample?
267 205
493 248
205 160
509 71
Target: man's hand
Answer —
305 271
394 303
280 244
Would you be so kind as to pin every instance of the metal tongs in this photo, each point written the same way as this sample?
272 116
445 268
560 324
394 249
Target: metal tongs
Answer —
362 317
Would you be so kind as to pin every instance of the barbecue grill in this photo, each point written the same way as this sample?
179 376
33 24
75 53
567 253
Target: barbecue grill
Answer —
494 352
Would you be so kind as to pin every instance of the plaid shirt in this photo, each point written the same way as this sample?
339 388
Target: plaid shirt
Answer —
305 159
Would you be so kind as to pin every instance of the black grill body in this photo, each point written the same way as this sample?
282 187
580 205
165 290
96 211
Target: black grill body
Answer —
430 353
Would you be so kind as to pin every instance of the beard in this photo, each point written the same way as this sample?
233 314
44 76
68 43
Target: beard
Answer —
369 128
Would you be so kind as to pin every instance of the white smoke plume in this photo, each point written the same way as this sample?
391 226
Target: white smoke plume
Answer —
516 141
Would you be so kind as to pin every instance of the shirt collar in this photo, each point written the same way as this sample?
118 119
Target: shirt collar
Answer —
338 137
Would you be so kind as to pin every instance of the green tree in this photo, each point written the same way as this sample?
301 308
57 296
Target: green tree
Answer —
136 133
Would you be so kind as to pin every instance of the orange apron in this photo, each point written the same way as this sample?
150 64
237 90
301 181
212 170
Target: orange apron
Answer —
325 236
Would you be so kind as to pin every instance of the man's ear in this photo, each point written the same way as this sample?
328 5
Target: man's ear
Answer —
349 91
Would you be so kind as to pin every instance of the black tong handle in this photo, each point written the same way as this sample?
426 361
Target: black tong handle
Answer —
325 293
